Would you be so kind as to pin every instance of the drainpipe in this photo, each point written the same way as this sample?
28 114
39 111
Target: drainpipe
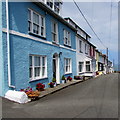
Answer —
8 47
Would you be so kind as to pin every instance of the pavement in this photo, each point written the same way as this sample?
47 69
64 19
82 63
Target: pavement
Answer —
94 98
58 87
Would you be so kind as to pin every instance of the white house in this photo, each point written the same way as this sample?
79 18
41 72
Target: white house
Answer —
85 52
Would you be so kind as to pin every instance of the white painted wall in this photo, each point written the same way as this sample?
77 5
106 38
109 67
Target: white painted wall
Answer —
82 57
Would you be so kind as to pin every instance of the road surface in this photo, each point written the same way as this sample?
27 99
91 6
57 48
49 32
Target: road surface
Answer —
94 98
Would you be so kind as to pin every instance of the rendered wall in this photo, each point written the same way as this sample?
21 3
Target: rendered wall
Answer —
22 47
1 51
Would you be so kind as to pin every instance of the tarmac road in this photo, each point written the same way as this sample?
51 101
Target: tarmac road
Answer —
94 98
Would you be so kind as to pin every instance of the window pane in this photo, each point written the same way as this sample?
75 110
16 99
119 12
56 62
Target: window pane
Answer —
87 67
29 15
66 62
37 61
43 61
66 68
80 45
87 62
43 71
69 69
30 72
35 28
80 66
30 60
54 37
37 72
29 26
42 21
54 27
35 18
42 31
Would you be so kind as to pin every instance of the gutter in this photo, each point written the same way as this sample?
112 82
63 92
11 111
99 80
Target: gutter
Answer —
8 47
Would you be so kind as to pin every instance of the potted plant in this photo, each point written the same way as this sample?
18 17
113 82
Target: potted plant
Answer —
69 78
54 81
63 79
40 87
77 77
51 84
30 93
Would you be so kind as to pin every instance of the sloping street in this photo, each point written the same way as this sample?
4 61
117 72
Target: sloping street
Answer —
94 98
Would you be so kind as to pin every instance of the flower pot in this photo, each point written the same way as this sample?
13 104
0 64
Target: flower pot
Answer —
55 84
51 86
63 81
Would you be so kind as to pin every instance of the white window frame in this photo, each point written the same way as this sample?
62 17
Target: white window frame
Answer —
54 7
41 67
53 31
82 64
67 38
40 25
69 65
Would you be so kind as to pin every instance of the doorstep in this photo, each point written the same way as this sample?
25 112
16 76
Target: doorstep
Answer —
58 87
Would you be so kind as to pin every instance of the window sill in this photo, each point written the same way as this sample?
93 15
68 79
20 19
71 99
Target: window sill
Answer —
67 46
80 51
88 72
56 43
36 35
68 73
33 80
80 72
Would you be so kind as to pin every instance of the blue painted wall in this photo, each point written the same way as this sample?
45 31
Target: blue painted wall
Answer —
22 47
19 21
1 51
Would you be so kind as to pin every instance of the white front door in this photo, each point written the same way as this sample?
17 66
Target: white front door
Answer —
56 72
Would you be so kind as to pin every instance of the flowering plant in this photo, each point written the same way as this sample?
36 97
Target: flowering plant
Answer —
69 78
30 93
28 89
51 84
40 87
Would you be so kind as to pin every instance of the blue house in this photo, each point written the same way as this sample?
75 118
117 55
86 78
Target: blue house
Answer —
36 44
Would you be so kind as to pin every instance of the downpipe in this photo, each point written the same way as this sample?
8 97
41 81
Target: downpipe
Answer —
8 47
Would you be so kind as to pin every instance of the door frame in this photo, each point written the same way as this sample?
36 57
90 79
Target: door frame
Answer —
57 67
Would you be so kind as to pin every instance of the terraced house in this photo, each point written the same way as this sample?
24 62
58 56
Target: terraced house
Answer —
85 52
36 44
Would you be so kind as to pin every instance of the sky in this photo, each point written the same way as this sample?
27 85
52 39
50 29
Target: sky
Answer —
98 14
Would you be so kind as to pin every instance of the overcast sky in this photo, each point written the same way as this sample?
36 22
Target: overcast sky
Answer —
98 15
